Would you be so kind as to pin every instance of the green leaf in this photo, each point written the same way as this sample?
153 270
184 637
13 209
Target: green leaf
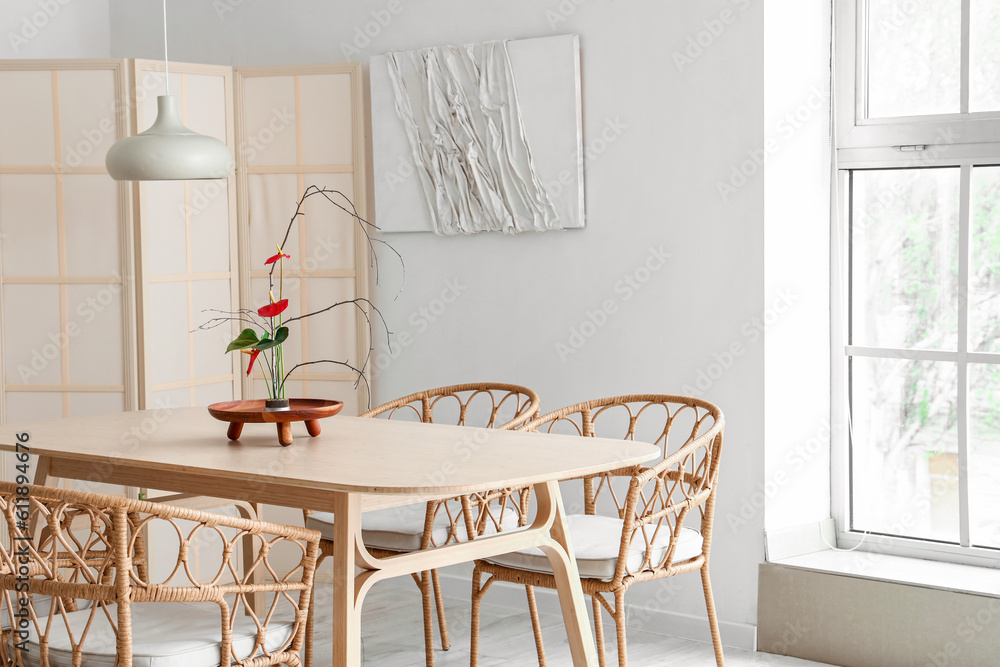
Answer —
279 337
248 338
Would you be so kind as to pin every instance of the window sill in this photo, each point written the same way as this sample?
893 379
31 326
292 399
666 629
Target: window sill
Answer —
971 579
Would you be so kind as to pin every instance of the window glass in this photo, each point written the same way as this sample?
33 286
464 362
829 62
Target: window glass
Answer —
984 56
984 261
904 251
914 57
904 450
984 454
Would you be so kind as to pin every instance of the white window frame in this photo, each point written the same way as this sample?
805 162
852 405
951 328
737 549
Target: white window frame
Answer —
905 142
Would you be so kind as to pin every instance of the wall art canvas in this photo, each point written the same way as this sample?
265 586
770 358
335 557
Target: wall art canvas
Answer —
479 137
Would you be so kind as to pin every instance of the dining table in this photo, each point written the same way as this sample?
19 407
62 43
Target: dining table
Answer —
355 465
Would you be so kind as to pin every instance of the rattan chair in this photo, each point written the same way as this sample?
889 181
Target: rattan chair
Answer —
440 522
88 548
641 534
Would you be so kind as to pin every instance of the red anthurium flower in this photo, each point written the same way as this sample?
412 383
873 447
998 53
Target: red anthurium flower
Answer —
273 309
253 360
272 260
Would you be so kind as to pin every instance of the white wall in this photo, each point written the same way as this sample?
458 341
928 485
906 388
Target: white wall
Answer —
55 29
672 131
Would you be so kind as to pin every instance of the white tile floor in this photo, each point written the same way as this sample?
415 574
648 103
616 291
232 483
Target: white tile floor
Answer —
392 630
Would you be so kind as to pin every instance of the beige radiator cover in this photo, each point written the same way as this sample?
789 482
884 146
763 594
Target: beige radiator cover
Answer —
857 622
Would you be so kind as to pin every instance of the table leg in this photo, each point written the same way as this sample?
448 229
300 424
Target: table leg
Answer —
581 641
235 430
42 467
346 605
312 425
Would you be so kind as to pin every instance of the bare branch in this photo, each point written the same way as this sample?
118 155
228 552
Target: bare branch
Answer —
363 225
361 374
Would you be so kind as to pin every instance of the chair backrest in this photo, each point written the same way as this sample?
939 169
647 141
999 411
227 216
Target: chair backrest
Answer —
658 497
483 404
69 545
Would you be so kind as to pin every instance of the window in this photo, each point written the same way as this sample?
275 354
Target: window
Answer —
917 277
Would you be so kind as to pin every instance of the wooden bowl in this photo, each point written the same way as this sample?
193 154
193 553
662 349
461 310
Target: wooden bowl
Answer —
308 410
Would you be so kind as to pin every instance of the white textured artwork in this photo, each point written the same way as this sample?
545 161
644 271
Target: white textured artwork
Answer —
480 137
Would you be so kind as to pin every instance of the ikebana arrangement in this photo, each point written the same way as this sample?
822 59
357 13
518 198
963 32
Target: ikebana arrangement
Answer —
266 330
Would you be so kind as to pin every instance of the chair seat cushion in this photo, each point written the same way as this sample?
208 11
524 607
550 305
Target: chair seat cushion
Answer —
596 542
41 604
164 634
402 528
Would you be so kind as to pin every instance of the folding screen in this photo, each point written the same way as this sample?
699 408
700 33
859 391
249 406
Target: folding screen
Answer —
65 241
187 250
65 245
297 127
103 285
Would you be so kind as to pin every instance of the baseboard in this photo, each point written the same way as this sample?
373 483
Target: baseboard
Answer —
685 626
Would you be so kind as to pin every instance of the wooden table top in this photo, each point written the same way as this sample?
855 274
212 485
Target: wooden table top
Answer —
352 454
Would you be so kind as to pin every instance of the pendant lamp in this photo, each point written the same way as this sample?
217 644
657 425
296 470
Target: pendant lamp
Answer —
168 151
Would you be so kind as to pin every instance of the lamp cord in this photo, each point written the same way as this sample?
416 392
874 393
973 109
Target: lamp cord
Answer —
166 60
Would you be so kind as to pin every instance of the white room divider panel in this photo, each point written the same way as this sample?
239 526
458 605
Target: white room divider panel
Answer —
297 127
188 250
187 264
67 299
66 241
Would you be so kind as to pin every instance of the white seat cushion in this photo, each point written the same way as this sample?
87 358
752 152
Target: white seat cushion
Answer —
402 528
164 634
596 541
39 602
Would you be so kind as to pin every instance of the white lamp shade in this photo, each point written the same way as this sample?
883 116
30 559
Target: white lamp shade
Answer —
168 151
